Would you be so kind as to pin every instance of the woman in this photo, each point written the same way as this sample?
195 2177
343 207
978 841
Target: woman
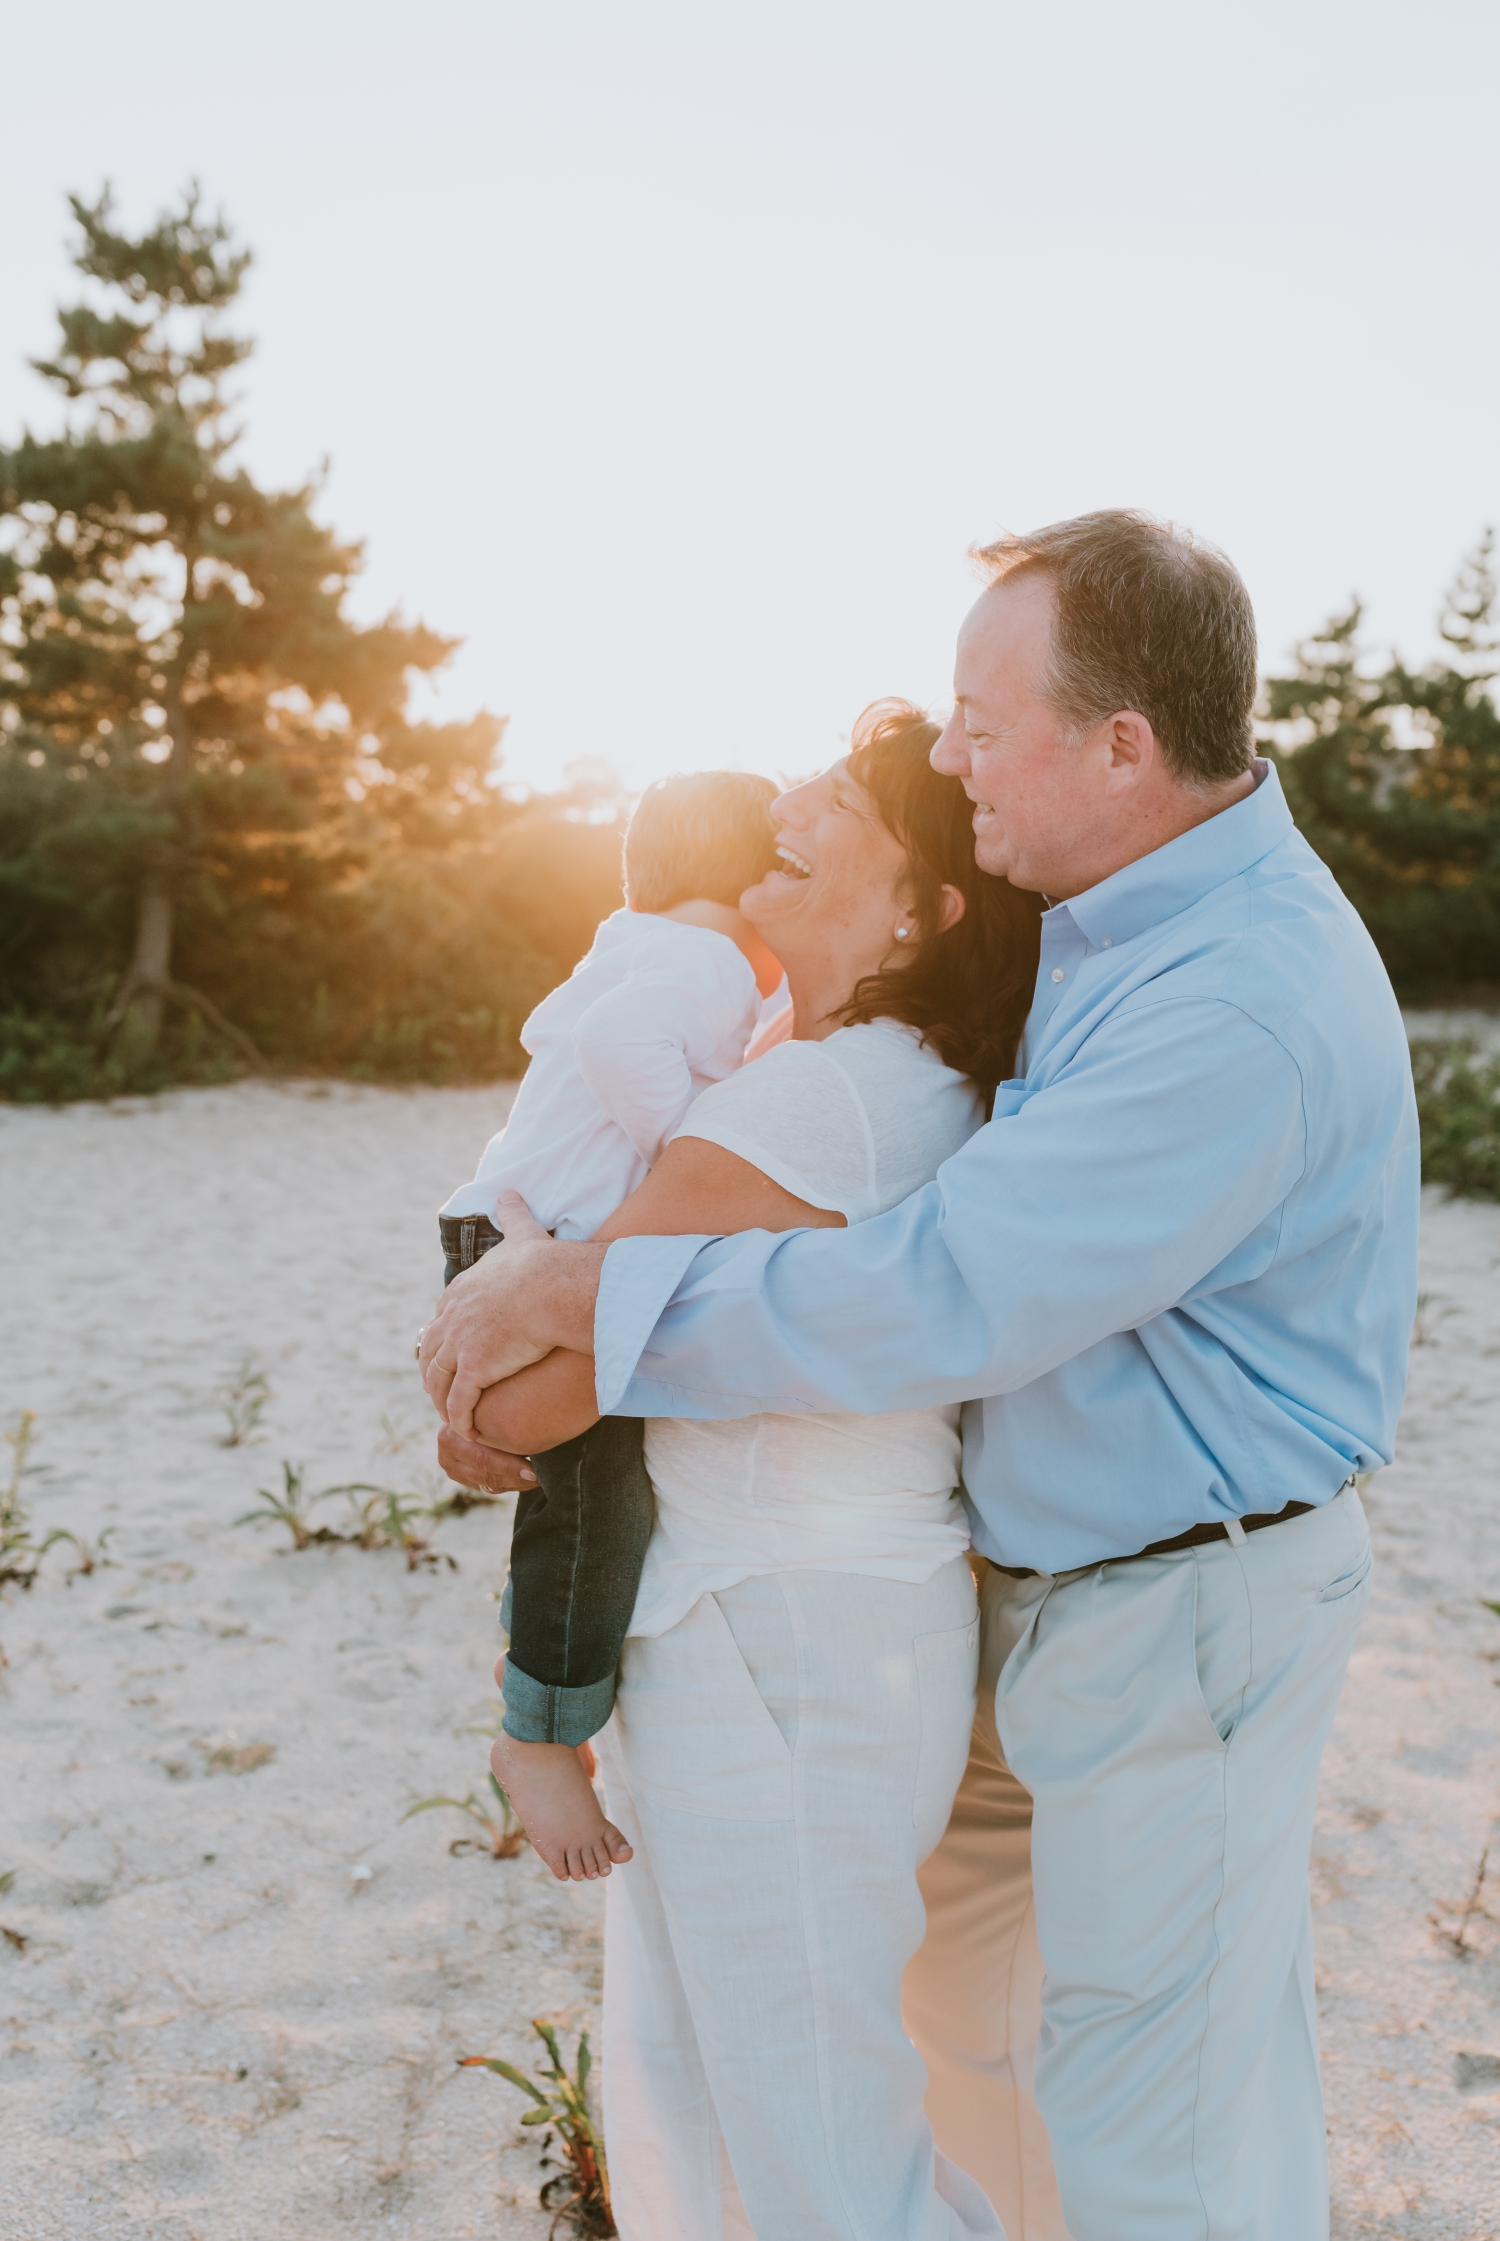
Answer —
797 1691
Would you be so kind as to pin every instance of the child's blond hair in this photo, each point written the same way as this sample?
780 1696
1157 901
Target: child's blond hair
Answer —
701 835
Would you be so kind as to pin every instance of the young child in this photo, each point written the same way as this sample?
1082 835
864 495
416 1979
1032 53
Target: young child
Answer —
662 1006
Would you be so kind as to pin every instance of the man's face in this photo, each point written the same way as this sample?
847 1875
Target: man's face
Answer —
1035 792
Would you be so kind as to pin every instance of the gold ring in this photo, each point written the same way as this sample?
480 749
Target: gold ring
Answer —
445 1369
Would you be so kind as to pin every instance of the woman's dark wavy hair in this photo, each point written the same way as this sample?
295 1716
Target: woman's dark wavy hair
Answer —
968 989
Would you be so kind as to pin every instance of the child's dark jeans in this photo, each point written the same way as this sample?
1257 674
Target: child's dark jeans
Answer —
576 1552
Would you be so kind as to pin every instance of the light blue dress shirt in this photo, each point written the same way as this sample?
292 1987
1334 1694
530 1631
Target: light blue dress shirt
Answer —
1173 1278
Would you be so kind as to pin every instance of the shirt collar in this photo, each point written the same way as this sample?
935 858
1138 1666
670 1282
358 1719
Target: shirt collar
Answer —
1173 878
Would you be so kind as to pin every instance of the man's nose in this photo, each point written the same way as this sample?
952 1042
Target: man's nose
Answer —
950 752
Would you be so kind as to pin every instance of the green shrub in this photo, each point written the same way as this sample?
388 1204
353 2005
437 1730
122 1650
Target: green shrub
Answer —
50 1060
1458 1104
420 967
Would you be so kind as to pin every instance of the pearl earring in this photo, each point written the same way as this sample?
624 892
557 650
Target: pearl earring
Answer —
903 933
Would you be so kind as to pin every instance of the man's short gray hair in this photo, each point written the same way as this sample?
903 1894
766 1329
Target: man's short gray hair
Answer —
1148 618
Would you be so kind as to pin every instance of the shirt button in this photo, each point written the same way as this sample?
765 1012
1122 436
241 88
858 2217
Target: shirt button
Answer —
1107 943
1058 973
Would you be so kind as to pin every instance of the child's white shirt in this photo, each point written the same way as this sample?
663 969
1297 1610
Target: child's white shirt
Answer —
654 1014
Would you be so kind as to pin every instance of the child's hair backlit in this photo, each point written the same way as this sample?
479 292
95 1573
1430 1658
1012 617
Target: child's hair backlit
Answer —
702 834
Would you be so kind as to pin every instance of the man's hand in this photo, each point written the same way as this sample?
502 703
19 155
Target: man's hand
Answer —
525 1297
483 1469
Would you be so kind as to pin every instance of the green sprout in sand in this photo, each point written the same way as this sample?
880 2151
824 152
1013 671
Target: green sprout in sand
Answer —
503 1834
580 2191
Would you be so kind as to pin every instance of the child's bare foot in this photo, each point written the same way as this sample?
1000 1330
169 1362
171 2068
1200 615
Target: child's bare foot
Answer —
550 1790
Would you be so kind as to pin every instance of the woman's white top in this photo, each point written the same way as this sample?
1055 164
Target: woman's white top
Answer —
655 1013
855 1124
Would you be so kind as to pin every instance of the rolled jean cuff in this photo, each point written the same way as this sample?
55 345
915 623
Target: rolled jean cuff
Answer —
539 1712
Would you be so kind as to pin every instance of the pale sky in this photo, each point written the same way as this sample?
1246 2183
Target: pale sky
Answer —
673 353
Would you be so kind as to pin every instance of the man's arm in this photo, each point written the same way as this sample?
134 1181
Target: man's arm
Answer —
698 1188
1171 1137
1165 1145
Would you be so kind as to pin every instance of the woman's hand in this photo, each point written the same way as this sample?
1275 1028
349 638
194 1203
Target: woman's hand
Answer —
485 1470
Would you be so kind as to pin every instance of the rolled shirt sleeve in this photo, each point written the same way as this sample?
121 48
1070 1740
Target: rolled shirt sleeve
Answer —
1151 1168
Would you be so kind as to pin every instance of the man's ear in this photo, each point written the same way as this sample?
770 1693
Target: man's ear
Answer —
1133 751
951 907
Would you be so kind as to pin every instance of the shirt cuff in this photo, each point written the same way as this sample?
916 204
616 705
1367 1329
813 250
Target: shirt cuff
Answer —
639 1276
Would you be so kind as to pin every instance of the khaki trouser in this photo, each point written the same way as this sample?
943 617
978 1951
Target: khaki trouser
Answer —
1167 1717
972 1997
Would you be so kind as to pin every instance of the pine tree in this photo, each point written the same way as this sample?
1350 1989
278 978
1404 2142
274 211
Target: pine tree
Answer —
1394 776
181 687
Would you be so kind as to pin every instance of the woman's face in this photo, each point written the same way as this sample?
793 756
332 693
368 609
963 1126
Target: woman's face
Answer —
840 883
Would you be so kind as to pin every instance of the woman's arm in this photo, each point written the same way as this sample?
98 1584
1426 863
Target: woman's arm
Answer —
696 1189
551 1402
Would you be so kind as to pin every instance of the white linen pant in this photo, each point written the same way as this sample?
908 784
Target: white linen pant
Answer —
1163 1721
781 1760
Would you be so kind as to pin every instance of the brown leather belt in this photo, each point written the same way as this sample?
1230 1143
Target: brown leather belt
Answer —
1196 1536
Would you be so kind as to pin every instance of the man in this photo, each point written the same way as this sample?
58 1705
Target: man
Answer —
1178 1271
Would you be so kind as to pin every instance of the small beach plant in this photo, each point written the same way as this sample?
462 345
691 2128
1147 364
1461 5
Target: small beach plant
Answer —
503 1834
396 1432
244 1399
20 1550
89 1555
292 1507
383 1517
580 2191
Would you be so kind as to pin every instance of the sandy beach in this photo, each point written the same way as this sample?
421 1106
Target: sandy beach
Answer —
234 1981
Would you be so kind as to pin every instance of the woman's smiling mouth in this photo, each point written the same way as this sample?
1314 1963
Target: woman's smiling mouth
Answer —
793 865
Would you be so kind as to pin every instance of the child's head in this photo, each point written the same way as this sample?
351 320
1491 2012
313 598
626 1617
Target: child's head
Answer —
702 836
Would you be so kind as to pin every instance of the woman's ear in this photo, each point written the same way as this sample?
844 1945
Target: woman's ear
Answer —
951 907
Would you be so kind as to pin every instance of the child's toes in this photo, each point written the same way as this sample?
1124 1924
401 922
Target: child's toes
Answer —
615 1844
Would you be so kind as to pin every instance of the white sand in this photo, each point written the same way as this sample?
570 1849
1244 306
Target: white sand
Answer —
1411 1791
1481 1027
213 2031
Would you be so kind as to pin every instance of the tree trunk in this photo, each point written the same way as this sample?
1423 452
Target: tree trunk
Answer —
150 971
148 986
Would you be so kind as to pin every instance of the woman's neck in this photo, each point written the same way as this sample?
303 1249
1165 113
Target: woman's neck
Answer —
820 988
